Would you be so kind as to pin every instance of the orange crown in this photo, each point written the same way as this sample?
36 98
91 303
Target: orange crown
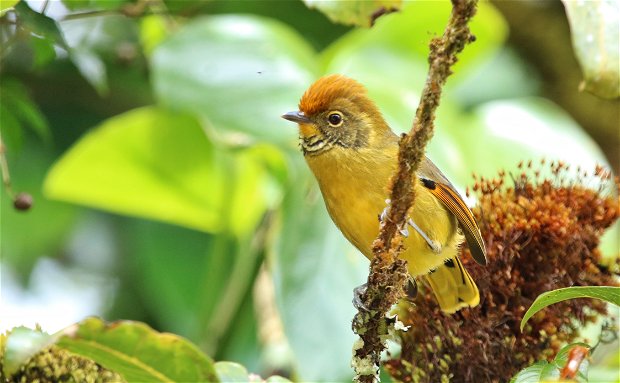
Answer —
327 89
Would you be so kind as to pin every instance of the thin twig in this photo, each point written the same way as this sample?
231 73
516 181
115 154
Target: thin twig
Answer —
388 273
46 3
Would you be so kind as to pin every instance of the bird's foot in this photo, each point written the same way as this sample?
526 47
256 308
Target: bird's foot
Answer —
384 214
358 293
411 289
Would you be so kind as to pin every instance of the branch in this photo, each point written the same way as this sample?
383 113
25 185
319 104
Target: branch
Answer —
389 273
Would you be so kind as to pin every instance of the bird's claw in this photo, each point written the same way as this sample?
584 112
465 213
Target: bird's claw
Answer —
412 289
405 232
358 293
384 214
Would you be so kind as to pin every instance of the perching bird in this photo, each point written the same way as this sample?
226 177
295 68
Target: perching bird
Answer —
353 153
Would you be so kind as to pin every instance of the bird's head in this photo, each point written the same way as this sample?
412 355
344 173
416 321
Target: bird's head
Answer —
335 112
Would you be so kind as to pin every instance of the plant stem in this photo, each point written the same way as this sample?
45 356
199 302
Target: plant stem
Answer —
389 273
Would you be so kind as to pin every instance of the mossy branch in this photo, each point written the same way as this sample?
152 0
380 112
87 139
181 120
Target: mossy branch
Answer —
388 273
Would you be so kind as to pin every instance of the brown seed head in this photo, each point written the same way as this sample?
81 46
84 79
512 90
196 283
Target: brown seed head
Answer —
541 234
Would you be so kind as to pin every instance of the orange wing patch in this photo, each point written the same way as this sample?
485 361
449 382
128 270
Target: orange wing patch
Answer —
453 201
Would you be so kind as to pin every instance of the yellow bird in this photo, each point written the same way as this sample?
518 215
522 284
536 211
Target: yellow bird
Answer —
353 153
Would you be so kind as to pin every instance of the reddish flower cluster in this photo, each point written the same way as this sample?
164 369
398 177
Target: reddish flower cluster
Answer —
541 234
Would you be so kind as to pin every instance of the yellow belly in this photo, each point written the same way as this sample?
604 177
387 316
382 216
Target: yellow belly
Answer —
355 195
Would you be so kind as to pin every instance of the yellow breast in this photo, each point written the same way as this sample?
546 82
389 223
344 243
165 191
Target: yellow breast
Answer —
354 186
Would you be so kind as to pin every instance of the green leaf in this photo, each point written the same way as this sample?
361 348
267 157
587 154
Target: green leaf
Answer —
137 352
536 373
354 12
594 28
149 163
609 294
21 344
160 165
239 72
40 24
7 5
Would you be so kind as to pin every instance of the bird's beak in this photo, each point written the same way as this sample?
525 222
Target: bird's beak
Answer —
297 117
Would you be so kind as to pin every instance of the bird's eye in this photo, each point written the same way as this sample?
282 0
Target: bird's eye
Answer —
335 119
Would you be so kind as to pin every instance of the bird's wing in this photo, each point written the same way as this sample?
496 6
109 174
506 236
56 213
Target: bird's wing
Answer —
434 180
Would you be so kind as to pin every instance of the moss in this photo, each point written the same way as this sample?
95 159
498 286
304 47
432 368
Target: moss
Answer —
54 364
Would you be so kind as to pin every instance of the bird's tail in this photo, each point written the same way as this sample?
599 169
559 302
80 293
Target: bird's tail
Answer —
453 286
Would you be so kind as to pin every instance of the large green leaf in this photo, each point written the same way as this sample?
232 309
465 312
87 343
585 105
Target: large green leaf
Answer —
138 353
239 72
594 28
149 163
609 294
536 373
158 164
20 345
315 270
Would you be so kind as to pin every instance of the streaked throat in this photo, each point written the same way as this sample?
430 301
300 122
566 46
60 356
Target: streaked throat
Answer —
315 144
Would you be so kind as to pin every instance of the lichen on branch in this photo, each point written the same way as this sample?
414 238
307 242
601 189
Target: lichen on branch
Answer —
388 273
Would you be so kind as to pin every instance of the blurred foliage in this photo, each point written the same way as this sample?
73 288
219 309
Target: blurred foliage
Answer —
167 114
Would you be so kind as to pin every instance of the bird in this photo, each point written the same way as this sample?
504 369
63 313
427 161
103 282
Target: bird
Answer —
353 152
